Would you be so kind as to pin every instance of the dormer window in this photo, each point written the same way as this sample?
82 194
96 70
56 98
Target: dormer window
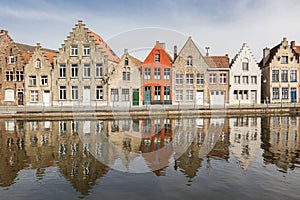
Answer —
284 60
86 50
189 61
126 62
74 50
38 63
11 59
157 57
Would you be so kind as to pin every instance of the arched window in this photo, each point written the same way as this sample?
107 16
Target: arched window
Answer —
189 61
126 61
245 64
38 63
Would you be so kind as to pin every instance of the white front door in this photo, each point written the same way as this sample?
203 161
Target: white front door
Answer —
253 96
86 95
46 98
199 97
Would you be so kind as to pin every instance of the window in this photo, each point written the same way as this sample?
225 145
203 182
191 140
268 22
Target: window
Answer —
9 75
99 92
254 79
74 70
74 50
223 78
38 63
237 79
147 74
157 93
189 95
200 79
62 71
62 92
126 62
9 95
86 70
212 78
189 79
125 94
99 70
114 95
284 60
74 94
20 75
86 50
293 75
167 73
167 93
245 79
275 93
284 76
246 96
189 61
179 95
179 79
157 57
245 66
11 59
235 94
32 81
285 93
275 75
126 76
157 73
34 97
44 80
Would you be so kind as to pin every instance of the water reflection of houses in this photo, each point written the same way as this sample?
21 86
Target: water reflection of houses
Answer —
156 145
12 153
75 148
279 138
245 134
198 138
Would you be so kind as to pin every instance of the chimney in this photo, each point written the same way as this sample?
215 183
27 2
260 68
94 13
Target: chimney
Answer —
163 45
266 52
125 51
207 53
4 31
293 44
175 52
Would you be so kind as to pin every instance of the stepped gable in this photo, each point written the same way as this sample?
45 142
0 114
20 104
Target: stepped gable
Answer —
244 48
108 51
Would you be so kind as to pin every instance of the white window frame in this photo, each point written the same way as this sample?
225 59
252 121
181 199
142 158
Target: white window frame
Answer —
99 92
62 92
34 95
99 70
74 50
74 70
87 70
86 50
179 79
62 71
32 81
44 80
74 93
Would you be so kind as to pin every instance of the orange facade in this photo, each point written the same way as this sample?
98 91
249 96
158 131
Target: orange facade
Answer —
157 77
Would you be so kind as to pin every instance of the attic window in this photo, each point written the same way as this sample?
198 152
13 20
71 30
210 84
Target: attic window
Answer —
86 50
189 61
11 59
157 57
38 63
74 50
284 60
126 61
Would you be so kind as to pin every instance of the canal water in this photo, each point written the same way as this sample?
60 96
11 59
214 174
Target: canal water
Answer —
151 158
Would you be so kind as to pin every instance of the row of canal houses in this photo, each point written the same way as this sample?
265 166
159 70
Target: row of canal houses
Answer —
86 71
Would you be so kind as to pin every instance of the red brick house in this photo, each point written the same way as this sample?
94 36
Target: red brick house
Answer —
157 76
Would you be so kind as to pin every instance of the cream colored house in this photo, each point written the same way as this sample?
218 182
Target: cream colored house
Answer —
280 68
125 82
38 77
245 78
189 74
82 69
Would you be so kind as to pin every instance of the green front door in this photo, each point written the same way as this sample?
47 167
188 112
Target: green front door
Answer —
135 98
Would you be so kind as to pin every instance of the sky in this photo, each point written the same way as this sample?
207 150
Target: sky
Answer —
221 25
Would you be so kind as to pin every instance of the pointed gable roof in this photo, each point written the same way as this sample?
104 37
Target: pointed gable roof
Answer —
108 51
245 47
165 58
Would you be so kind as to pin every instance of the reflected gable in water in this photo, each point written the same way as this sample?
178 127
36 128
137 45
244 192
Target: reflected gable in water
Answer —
84 151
